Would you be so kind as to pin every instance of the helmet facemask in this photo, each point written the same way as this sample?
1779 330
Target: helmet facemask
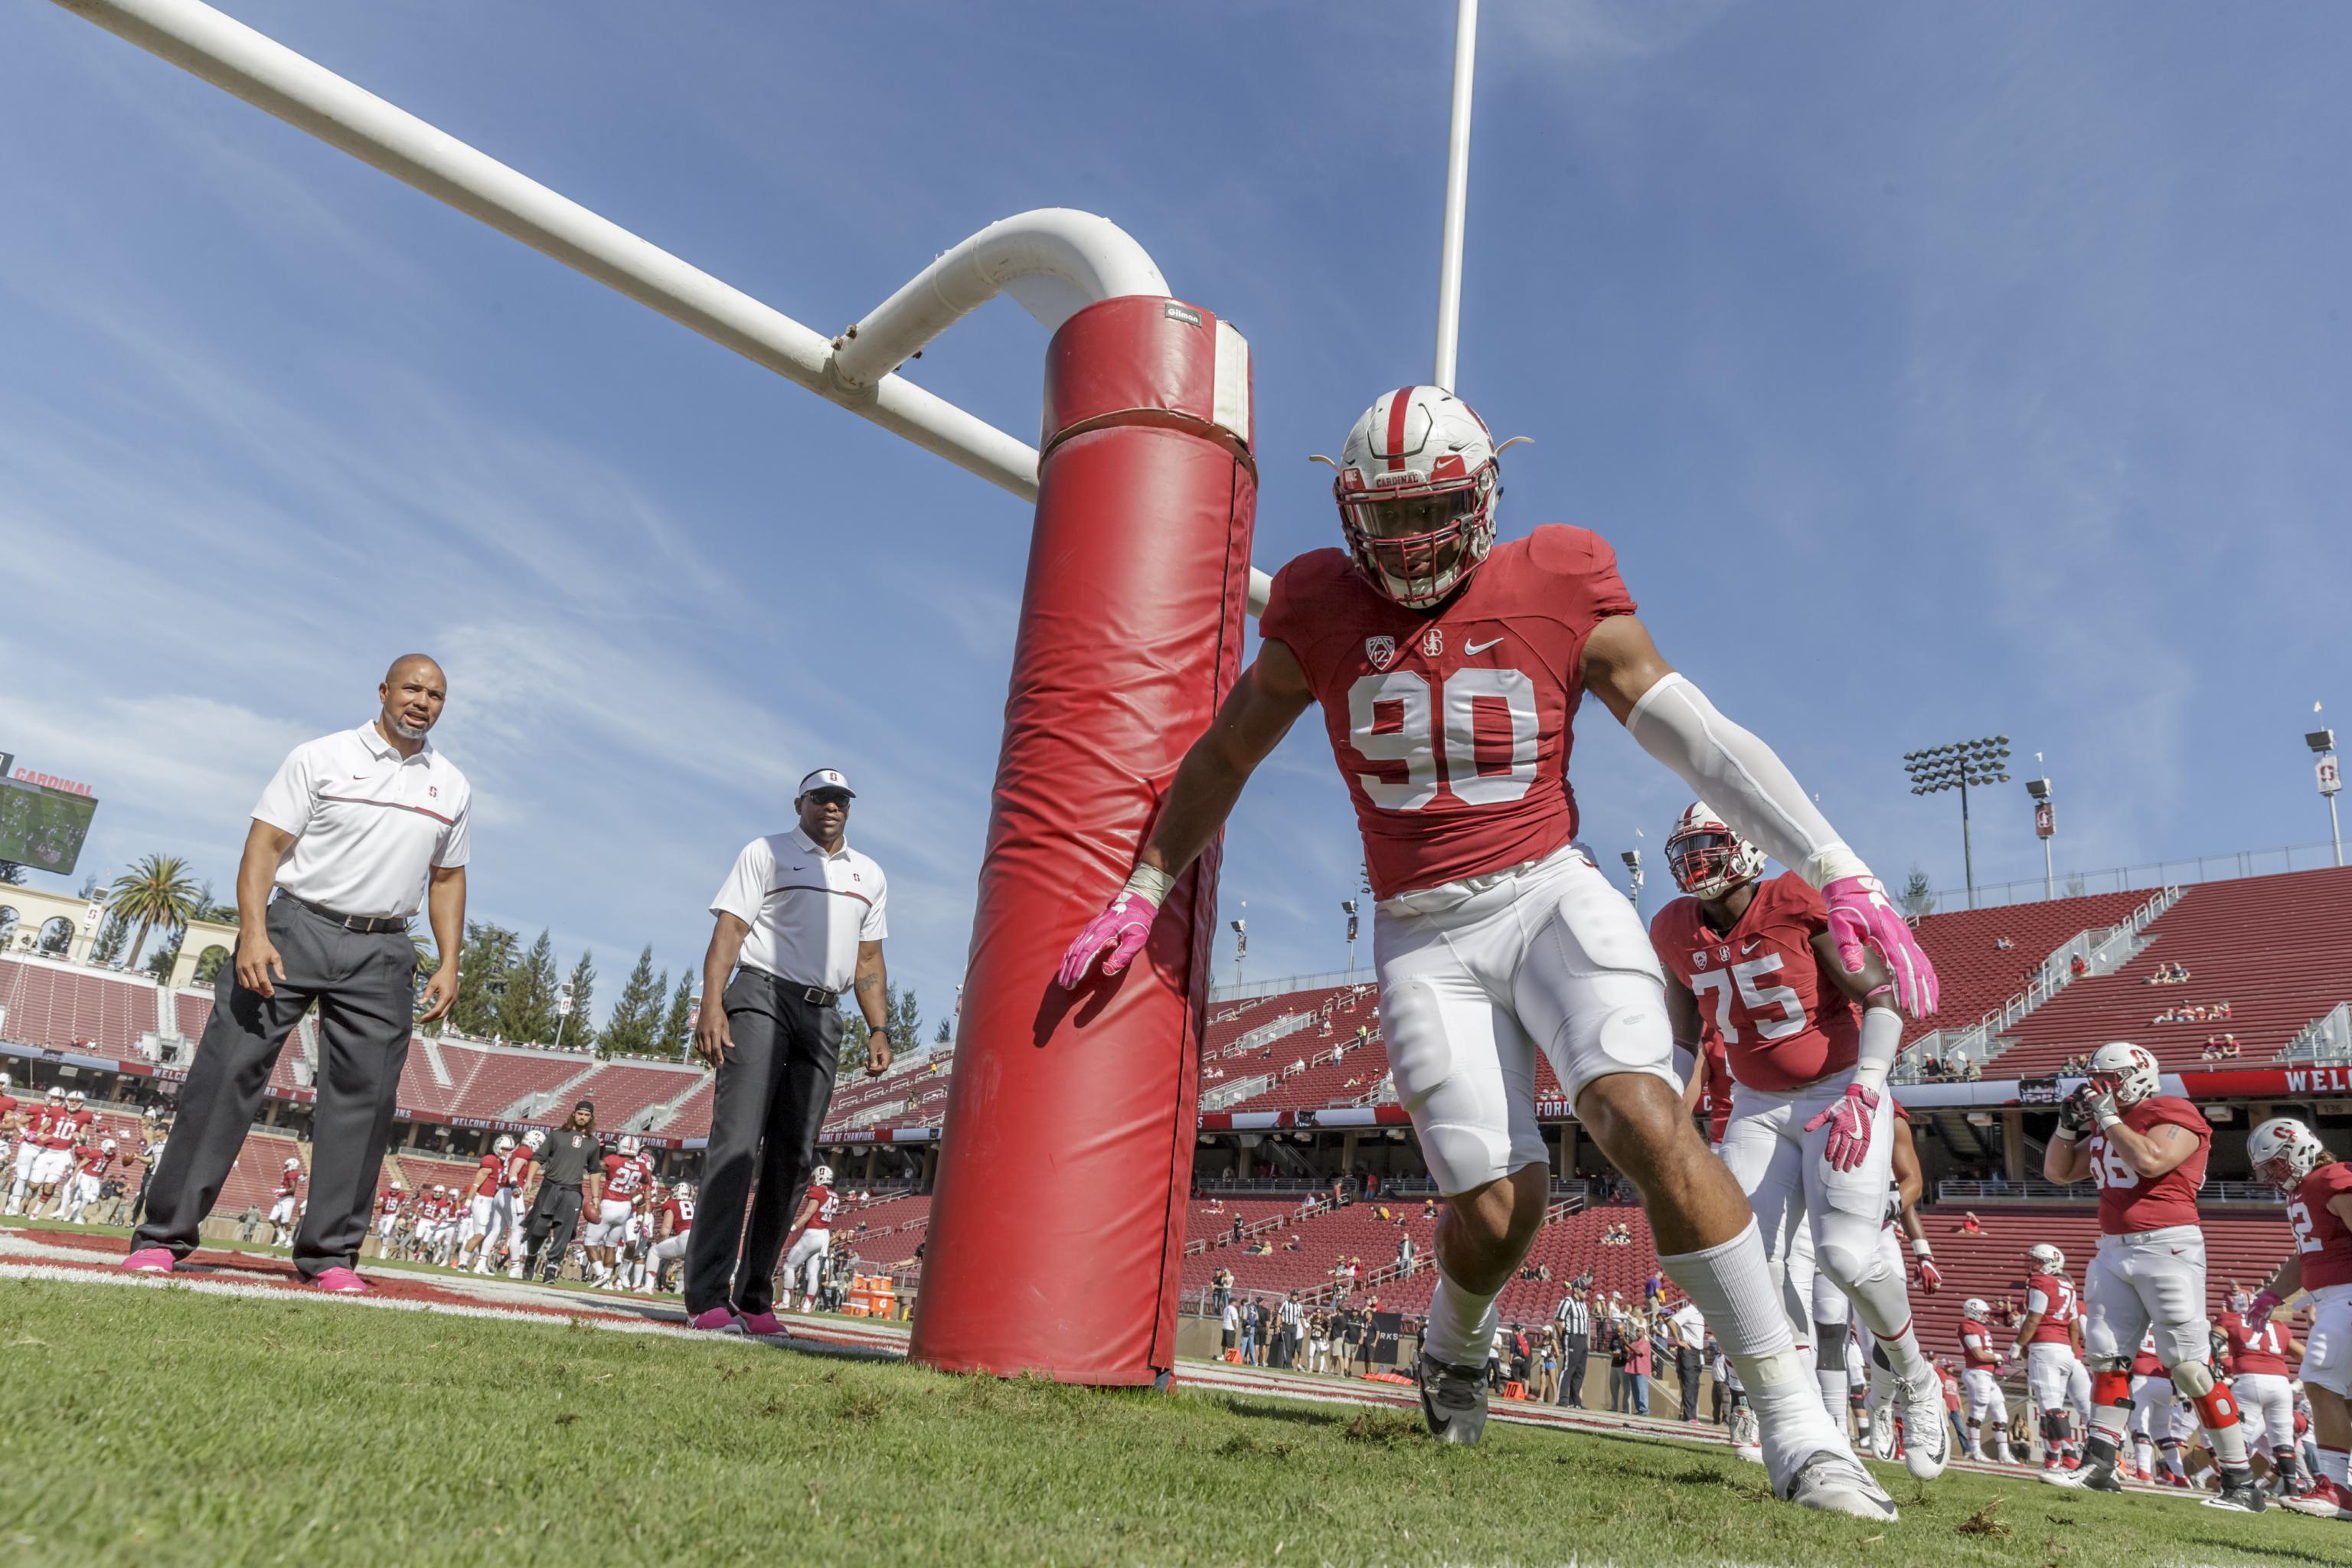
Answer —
1417 544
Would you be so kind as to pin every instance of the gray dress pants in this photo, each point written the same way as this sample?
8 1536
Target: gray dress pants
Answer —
365 985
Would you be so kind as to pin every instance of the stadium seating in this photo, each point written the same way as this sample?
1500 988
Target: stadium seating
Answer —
72 1008
2277 948
1977 976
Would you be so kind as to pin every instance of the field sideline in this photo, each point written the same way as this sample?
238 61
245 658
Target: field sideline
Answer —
169 1425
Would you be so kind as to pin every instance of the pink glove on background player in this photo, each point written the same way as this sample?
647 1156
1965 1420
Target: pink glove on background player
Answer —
1849 1119
1860 915
1123 928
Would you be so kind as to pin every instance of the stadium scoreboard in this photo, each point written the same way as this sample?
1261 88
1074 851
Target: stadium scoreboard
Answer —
43 820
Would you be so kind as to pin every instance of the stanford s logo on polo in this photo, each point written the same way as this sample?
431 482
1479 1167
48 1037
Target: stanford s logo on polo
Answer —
1380 650
1432 643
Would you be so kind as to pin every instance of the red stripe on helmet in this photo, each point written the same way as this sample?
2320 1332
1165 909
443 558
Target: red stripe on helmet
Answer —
1400 404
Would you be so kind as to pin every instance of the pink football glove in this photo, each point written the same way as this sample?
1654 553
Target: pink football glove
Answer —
1860 916
1931 1278
1848 1120
2259 1311
1122 929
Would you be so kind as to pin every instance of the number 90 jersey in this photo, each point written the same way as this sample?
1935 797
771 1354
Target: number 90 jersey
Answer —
1760 986
1452 728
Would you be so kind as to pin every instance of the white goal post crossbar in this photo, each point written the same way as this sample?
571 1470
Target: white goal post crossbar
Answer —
1054 261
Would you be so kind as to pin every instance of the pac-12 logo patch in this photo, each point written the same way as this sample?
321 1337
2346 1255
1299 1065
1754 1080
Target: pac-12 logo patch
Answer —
1381 651
1432 643
1698 959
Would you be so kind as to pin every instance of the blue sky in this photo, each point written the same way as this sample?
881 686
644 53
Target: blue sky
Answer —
1934 370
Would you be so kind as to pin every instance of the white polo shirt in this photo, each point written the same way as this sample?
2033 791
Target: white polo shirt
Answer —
369 824
808 911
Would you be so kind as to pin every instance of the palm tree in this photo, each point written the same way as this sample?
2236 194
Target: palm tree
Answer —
157 891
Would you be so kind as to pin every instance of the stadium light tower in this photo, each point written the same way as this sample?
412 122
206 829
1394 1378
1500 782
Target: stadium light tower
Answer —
1348 905
1956 766
2045 826
2322 742
1241 944
1633 859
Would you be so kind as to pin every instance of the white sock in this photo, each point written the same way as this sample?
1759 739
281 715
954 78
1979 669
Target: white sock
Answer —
1461 1327
2333 1465
1732 1286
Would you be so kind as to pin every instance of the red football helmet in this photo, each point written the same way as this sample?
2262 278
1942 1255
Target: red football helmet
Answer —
1417 486
1706 859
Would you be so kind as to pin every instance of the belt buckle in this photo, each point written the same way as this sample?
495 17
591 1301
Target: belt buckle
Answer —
817 994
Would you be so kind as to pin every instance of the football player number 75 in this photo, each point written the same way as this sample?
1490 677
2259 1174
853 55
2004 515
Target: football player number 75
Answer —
1393 718
1760 999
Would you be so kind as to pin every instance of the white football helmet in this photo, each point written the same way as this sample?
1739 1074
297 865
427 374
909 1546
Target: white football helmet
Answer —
76 1098
439 1188
629 1147
2127 1071
683 1192
293 1164
1706 857
397 1186
2282 1151
1975 1309
822 1176
6 1083
108 1145
536 1139
504 1145
1417 486
2046 1257
56 1094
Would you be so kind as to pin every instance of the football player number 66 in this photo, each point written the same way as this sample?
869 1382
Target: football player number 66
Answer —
1391 719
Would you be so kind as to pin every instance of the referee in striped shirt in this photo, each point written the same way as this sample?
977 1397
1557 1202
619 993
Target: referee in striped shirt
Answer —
1575 1343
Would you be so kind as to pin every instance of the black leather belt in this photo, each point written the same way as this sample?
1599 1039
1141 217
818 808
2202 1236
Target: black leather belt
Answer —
370 924
815 995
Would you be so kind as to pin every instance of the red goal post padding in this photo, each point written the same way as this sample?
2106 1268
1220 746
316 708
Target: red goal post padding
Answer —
1057 1227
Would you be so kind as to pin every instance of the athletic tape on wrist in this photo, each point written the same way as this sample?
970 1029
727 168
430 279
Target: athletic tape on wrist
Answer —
1149 882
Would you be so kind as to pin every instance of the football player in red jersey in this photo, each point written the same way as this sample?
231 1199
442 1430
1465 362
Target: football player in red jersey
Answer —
506 1207
1449 668
1987 1407
476 1200
2146 1150
673 1224
2318 1187
625 1175
1751 962
2262 1383
91 1162
387 1215
32 1125
283 1205
804 1262
2050 1342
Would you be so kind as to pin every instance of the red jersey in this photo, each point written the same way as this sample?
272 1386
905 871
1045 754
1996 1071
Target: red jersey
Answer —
518 1166
485 1176
1761 986
93 1160
2128 1205
625 1177
827 1205
55 1127
2052 1295
2322 1242
389 1204
2255 1347
1976 1345
10 1106
1452 728
2145 1364
681 1215
290 1184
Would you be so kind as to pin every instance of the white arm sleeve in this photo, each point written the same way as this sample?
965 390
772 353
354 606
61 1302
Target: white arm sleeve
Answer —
1882 1033
1739 776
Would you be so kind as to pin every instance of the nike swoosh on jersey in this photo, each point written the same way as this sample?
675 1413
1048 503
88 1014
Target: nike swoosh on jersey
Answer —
1749 946
1476 647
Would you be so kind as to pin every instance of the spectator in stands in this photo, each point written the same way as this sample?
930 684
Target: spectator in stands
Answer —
1221 1288
1405 1255
774 1040
1969 1225
2079 967
351 874
1292 1244
2002 944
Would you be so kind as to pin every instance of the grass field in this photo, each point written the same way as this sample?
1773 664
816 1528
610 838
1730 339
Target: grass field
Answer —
161 1426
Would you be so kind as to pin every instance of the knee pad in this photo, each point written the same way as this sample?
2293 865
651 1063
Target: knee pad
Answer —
1852 1266
2193 1378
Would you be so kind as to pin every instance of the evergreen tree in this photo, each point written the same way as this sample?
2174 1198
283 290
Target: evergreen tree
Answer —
482 964
899 1011
582 1029
854 1036
678 1028
527 1011
112 936
12 874
946 1036
630 1030
1918 897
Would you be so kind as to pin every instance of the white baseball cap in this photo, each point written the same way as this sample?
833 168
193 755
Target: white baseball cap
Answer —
827 778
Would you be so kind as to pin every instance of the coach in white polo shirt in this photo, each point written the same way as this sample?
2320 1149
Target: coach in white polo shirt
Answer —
803 914
356 831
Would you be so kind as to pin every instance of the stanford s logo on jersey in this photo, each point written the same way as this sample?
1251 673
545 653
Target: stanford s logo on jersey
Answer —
1432 643
1381 651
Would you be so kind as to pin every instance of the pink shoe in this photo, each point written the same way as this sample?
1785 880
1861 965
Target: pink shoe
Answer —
717 1321
764 1326
150 1260
341 1281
